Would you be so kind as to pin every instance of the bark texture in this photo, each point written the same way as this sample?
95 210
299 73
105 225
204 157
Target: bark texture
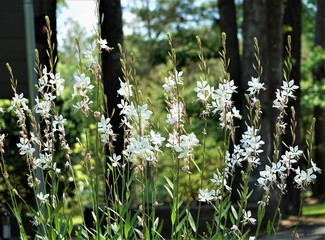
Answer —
112 31
292 25
263 19
319 75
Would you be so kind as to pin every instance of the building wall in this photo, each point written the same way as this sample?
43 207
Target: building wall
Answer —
12 41
12 46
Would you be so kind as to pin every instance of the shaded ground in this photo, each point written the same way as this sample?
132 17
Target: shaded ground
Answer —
311 227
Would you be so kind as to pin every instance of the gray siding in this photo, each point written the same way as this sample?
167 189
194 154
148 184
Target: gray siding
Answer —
12 46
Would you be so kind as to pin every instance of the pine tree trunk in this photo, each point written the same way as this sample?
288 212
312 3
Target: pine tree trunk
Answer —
112 31
292 24
263 19
319 112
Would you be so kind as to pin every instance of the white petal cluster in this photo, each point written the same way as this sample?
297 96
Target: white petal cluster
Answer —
255 86
105 129
208 196
142 145
25 147
223 105
277 173
203 90
186 145
125 90
247 218
282 99
82 87
50 82
175 78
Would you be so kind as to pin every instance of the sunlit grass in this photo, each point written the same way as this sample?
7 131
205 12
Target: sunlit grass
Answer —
314 209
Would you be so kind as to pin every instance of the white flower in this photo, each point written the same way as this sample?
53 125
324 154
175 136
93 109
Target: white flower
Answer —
206 196
203 90
105 130
310 176
57 82
295 153
58 122
178 77
35 221
42 197
289 88
18 101
103 44
172 140
83 105
304 178
25 147
315 168
268 177
144 112
124 106
169 84
176 113
235 229
156 138
222 103
82 85
139 147
251 143
43 107
187 143
255 86
115 160
125 90
248 218
89 53
220 181
282 97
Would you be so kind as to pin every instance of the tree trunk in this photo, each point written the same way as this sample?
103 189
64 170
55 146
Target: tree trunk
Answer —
112 31
319 112
292 24
263 19
42 9
228 25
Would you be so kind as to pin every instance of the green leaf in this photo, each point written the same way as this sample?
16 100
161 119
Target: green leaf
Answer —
191 220
69 224
171 185
169 191
180 225
208 227
268 227
234 212
244 236
127 226
173 216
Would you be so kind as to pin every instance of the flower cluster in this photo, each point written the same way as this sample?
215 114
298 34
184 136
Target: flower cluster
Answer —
249 149
105 129
304 178
82 87
277 173
50 82
223 105
281 101
172 81
203 90
141 145
182 144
